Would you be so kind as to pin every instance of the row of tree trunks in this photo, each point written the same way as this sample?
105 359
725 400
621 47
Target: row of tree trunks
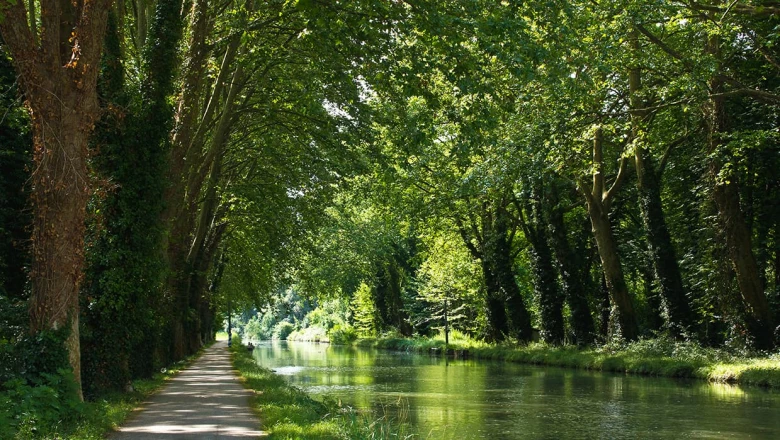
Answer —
200 137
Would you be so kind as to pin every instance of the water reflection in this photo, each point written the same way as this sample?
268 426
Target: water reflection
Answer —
467 399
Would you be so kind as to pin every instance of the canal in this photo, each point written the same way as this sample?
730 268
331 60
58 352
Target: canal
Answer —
473 399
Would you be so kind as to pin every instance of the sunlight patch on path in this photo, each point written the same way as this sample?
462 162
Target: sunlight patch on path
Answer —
205 401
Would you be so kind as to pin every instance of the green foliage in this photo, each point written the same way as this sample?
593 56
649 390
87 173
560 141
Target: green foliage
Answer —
343 334
38 392
260 327
309 334
39 410
364 318
282 330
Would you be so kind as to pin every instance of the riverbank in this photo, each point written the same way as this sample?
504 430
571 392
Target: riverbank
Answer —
652 357
289 413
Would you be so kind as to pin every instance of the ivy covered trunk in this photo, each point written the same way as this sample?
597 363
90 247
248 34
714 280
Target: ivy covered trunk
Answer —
545 278
498 254
58 71
573 267
495 311
127 258
725 192
546 286
676 309
675 306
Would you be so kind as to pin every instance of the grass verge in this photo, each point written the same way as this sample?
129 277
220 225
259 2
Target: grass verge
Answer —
653 357
287 412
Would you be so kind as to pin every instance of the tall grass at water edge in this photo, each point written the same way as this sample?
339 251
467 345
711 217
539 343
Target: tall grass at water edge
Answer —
654 357
287 412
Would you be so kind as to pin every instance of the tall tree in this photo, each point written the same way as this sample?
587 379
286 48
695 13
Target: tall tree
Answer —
548 293
676 308
58 65
623 321
126 269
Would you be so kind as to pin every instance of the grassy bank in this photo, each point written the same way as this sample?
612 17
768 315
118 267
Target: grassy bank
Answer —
655 357
287 412
90 420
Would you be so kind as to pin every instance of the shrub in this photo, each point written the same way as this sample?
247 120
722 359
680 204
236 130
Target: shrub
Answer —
309 334
283 329
342 334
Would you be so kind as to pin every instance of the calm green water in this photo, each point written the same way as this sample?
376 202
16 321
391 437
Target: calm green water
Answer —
469 399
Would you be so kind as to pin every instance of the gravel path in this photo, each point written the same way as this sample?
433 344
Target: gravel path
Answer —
205 401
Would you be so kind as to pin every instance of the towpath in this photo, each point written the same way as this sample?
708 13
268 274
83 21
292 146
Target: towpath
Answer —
203 402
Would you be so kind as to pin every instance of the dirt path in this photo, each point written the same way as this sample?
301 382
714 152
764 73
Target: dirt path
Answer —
205 401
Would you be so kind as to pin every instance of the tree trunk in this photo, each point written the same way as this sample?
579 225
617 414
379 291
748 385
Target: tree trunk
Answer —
676 309
58 72
498 325
59 197
622 317
655 321
738 237
622 321
574 275
498 253
606 306
545 277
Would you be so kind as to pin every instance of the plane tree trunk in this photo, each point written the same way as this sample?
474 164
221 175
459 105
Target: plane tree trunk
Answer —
58 69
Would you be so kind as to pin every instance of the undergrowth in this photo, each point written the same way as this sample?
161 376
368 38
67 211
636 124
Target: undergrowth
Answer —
47 407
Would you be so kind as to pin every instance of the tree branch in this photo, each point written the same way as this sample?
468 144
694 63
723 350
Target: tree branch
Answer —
755 11
657 41
609 194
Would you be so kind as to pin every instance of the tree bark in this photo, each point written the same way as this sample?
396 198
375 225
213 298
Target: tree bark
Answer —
59 77
738 237
574 275
545 277
676 309
622 321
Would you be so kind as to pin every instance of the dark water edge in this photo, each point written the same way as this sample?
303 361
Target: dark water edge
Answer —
475 399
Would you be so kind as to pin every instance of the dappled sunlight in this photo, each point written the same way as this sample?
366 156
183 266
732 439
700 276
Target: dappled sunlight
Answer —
204 401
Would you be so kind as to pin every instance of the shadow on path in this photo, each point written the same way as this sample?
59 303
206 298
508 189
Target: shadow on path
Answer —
205 401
